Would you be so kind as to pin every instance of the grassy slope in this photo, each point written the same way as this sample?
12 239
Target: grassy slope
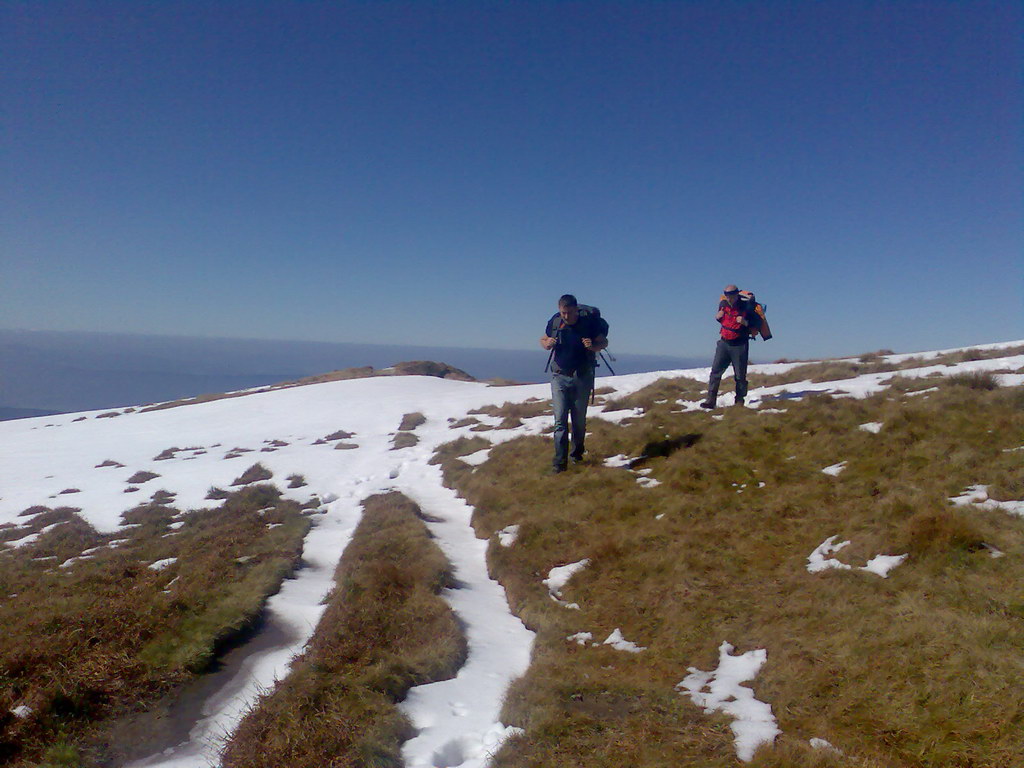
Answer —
920 669
131 633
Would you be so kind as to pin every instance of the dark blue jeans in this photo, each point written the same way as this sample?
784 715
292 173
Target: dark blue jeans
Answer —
570 396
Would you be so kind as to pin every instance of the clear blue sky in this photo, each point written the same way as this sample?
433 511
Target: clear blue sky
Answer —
437 173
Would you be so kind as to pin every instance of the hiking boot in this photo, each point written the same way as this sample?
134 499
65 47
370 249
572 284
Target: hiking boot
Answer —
707 404
739 401
576 459
556 469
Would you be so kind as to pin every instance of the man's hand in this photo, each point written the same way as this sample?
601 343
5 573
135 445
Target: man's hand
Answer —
720 315
588 343
742 320
547 342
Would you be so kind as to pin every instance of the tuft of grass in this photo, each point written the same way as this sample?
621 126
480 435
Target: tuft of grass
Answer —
341 434
939 529
404 440
296 481
254 474
973 380
410 421
385 629
515 412
142 476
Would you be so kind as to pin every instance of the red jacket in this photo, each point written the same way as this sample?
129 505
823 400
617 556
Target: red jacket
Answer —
732 328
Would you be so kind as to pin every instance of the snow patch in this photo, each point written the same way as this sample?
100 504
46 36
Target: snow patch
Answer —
558 577
476 459
820 560
977 495
721 690
507 536
619 643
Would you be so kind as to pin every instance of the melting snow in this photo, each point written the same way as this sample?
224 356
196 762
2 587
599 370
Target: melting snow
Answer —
721 690
835 469
819 559
882 564
558 577
619 643
507 536
978 496
476 459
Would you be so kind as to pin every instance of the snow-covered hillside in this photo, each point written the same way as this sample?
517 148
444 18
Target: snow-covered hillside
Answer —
88 461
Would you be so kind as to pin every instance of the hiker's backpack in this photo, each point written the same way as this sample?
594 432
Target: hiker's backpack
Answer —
748 298
585 311
555 323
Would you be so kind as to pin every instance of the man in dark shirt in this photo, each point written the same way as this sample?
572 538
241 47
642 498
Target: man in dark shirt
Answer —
574 338
737 317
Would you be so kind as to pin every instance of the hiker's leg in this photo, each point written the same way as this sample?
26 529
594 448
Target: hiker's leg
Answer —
739 367
582 387
718 366
561 391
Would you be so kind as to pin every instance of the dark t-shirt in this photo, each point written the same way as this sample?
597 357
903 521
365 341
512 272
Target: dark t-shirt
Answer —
570 354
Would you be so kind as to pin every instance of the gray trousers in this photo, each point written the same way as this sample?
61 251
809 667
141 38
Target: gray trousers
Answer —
726 355
570 396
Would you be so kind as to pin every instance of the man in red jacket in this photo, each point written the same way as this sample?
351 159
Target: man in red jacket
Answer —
737 317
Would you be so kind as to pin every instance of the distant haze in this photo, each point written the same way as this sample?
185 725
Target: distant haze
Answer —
44 372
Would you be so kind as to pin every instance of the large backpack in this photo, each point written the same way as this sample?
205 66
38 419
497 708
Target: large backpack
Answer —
748 298
555 323
585 311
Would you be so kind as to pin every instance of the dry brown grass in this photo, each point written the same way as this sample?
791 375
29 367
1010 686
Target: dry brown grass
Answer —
919 669
132 634
254 474
385 629
662 395
835 370
403 440
410 421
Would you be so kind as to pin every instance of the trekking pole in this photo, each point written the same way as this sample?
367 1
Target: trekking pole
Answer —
551 355
607 363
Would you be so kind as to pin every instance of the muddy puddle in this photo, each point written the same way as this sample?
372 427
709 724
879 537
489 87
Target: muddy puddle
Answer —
171 731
